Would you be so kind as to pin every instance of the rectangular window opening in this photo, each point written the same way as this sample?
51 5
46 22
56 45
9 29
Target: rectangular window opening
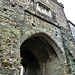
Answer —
44 10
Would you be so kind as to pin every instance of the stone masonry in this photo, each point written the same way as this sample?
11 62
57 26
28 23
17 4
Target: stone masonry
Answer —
35 34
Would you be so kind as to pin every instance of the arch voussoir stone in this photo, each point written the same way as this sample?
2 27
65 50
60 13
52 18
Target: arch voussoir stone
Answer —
42 49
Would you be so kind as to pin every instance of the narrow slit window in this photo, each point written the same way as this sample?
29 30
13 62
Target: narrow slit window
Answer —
47 12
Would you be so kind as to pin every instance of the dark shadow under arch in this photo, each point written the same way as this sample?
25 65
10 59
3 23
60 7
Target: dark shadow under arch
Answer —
36 51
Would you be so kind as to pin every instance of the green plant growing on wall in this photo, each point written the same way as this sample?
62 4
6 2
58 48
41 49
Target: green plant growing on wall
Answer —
14 31
7 64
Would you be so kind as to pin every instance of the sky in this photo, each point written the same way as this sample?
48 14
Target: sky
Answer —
69 9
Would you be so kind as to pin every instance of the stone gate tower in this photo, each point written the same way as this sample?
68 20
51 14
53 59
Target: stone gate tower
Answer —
35 34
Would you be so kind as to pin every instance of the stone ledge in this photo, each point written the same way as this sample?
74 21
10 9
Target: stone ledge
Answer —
7 71
42 18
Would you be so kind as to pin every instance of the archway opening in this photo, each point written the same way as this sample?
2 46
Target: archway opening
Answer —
39 57
30 63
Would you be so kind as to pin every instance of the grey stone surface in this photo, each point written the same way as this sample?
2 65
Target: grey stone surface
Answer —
52 46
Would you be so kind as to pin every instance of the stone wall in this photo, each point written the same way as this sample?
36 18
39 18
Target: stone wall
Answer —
69 48
72 26
20 20
9 37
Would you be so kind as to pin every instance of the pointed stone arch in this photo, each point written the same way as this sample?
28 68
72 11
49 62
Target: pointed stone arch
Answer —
39 53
